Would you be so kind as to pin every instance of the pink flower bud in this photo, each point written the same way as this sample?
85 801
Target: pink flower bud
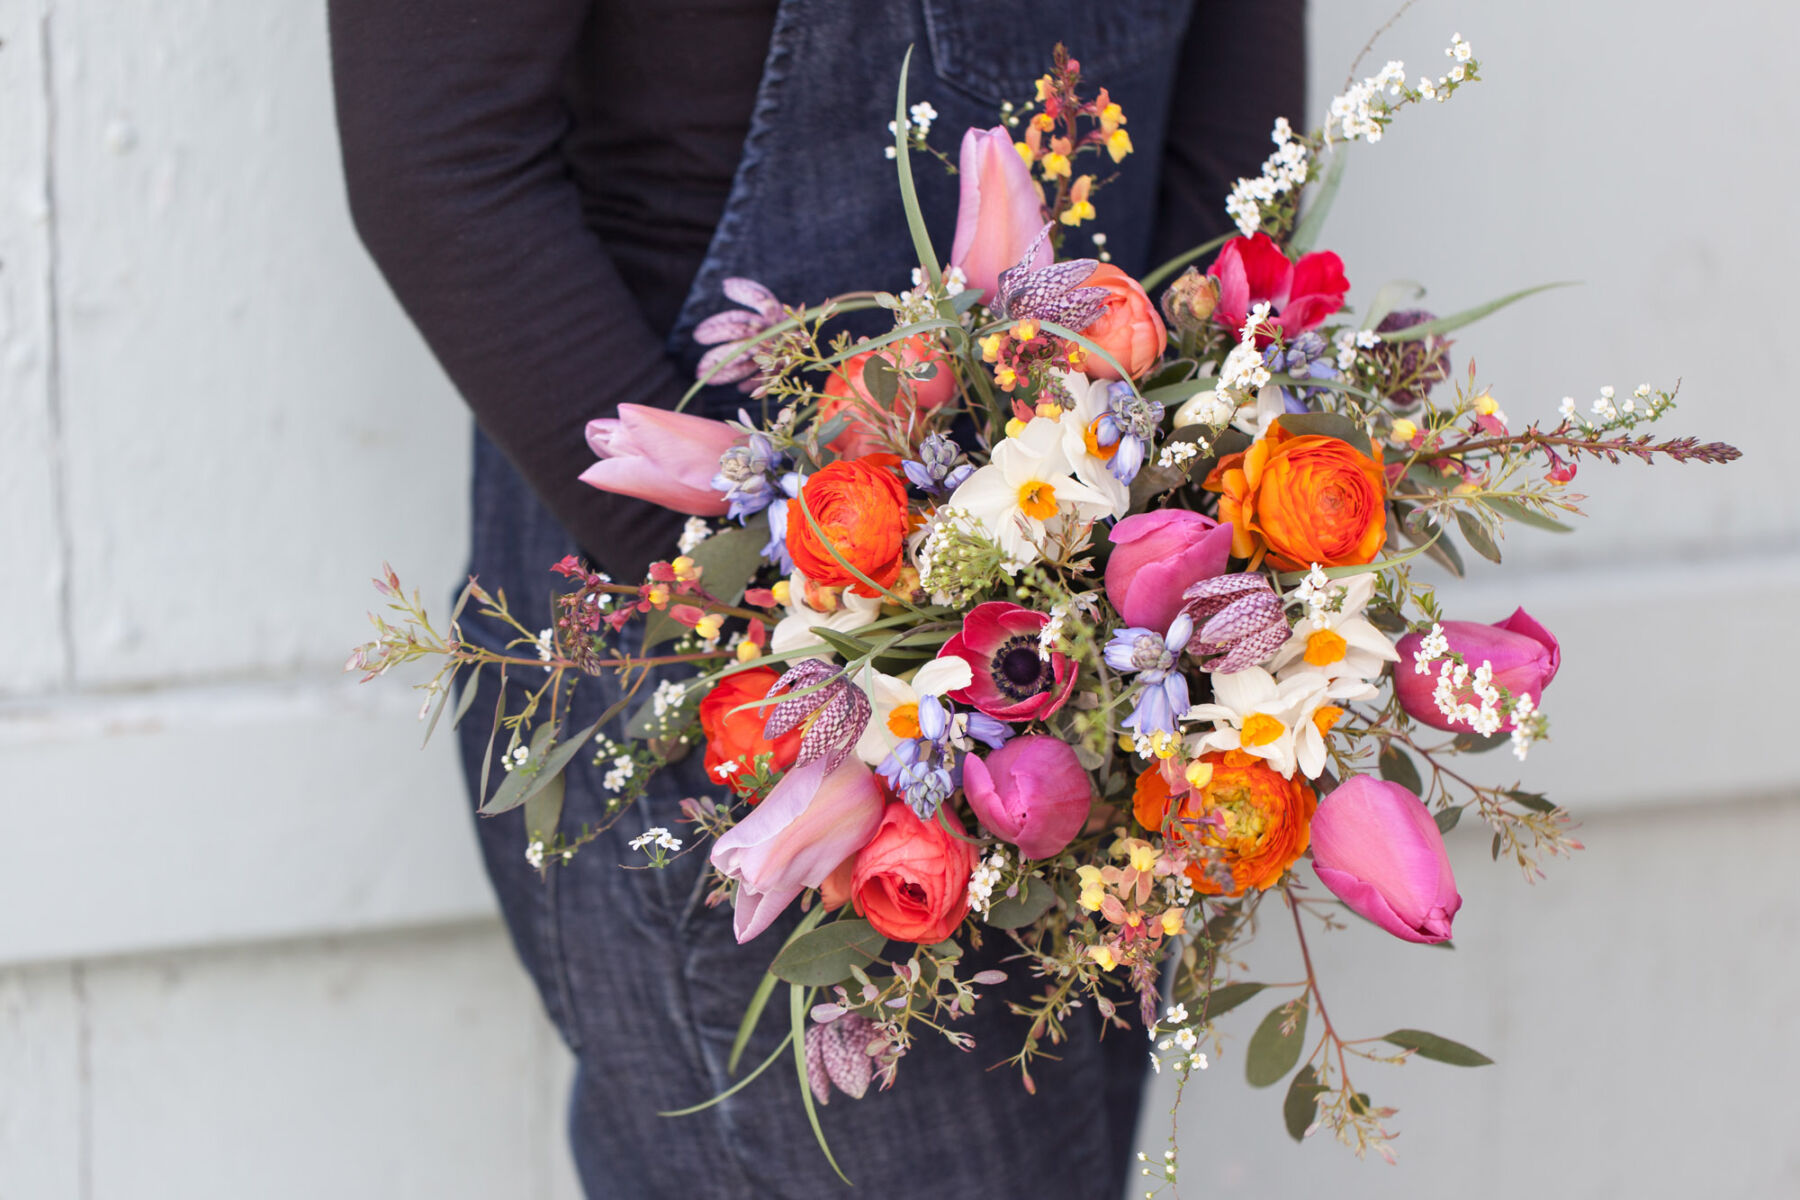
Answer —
1376 847
1523 654
1031 792
1158 555
1000 211
667 458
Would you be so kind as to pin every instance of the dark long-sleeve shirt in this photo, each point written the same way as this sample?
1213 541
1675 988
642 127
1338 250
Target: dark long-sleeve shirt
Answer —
539 181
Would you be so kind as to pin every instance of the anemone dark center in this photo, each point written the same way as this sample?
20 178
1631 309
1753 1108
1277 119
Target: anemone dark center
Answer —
1019 671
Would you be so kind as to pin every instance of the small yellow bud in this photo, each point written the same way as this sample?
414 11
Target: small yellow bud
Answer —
1174 922
746 651
1092 897
1199 773
1404 431
1111 117
709 625
1015 427
1056 166
1103 956
782 591
1006 377
686 569
1026 330
990 346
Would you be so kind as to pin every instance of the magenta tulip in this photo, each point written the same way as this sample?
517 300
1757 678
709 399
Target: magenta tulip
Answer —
1157 556
1376 847
1523 653
1031 792
809 823
1000 213
667 458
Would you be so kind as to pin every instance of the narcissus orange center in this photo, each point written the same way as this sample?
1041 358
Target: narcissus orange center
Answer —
1260 729
903 722
1325 647
1325 717
1037 500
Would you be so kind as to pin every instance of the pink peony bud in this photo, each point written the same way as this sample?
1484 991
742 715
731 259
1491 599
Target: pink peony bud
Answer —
667 458
1376 847
1157 556
1000 212
809 823
1031 792
1523 653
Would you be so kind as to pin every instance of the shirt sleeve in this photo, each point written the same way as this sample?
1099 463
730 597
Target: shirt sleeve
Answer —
1242 65
450 120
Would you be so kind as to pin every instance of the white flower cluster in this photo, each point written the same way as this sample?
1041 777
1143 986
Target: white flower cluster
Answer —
516 758
1361 112
1462 53
1453 679
983 881
1282 172
692 534
667 698
1433 646
1528 726
920 303
1609 412
1179 454
1052 631
1349 341
918 128
618 777
657 838
534 854
1243 374
1183 1039
1320 596
546 645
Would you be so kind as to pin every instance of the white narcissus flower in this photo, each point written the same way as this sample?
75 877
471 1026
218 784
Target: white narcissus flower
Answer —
1091 402
1028 490
1338 646
895 702
1272 720
795 630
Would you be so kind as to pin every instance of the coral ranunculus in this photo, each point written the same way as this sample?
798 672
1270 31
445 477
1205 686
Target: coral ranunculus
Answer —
860 507
737 737
911 880
1300 294
1255 821
1303 498
846 393
1129 328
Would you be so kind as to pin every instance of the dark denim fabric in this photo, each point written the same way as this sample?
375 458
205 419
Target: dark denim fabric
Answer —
645 983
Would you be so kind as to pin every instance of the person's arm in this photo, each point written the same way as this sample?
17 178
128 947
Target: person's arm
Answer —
449 116
1242 65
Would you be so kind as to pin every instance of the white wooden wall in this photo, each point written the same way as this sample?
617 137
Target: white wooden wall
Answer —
246 947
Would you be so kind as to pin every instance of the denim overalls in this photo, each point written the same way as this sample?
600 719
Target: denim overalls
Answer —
644 981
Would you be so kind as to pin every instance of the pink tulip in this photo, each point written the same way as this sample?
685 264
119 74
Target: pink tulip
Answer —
667 458
1031 792
1158 555
809 823
1523 653
1376 847
1000 213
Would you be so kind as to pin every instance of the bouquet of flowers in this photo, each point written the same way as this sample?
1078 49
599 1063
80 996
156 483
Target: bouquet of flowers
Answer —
1062 615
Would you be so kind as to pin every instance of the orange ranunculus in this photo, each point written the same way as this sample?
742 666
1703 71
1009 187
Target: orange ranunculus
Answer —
1128 328
1304 499
845 393
1257 821
911 880
738 737
860 506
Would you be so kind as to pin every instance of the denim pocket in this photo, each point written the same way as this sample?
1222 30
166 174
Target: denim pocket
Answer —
995 50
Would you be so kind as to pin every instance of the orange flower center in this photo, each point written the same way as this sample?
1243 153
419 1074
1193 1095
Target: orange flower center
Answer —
1260 729
1037 500
1324 648
1091 438
903 722
1325 717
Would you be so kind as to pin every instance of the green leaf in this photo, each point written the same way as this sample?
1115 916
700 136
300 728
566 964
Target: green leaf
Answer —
1476 743
1270 1055
1171 394
1494 850
1171 373
1447 818
511 792
1513 510
881 381
1469 315
760 999
437 709
1334 425
550 768
740 1085
1396 767
1388 297
797 1019
1301 1107
825 955
850 647
469 688
1181 260
543 808
1535 801
909 196
1476 536
1306 234
1033 901
1438 1049
1226 997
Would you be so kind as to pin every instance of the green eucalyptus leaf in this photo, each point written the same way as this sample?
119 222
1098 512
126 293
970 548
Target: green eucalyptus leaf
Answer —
1438 1049
1477 536
463 702
845 644
1035 898
1514 511
1306 233
881 380
825 955
543 808
1535 801
1396 767
1301 1107
1447 818
437 708
1477 743
1468 316
1270 1055
1226 997
511 792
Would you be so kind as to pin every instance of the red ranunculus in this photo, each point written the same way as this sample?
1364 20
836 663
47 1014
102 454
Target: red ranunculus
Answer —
1013 681
738 737
911 880
1300 295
